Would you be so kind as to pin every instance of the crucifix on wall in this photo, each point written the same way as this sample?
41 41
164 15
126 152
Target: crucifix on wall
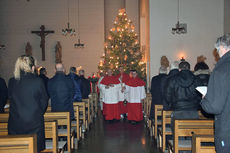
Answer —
43 33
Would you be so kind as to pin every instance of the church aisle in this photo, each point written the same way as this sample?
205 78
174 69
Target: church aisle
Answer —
119 137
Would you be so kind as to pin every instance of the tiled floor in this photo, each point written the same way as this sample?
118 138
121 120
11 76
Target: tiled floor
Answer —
119 137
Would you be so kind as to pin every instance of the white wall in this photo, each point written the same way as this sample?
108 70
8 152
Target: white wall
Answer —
226 16
19 17
205 22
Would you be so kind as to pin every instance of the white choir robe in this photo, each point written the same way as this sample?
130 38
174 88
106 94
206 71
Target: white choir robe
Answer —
101 92
123 108
110 102
134 96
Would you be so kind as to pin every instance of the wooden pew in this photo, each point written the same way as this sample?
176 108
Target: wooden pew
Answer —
198 148
148 101
3 129
82 111
165 129
18 144
95 100
88 112
185 128
63 119
52 145
4 117
147 105
92 106
76 124
157 120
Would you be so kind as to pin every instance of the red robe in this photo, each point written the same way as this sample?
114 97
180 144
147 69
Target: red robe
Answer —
111 97
135 93
123 107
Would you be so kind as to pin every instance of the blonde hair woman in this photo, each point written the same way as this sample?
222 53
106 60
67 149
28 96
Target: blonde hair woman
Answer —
24 64
28 101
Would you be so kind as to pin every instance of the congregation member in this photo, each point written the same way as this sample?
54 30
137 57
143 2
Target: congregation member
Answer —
61 91
43 76
181 93
110 86
84 85
156 89
28 101
123 77
174 70
3 94
201 70
76 83
135 96
217 99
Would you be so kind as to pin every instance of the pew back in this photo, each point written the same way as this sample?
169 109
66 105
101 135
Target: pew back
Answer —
18 144
63 119
197 140
186 128
3 129
158 118
51 132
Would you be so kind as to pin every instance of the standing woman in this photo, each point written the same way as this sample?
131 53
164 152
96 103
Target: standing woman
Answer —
28 101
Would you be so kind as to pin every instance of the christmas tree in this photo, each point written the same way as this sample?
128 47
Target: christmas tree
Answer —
122 48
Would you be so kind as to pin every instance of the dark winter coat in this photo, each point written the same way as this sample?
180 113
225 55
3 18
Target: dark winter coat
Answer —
217 101
3 94
45 80
28 103
203 75
85 87
181 92
77 88
156 92
173 72
61 91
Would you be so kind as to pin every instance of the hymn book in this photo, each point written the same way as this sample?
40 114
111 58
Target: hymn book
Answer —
202 89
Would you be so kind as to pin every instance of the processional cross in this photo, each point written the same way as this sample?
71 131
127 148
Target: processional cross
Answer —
43 33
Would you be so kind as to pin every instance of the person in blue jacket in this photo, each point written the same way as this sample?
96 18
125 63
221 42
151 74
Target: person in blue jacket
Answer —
61 91
76 82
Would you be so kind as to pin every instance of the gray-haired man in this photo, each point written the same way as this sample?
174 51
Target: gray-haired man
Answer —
217 99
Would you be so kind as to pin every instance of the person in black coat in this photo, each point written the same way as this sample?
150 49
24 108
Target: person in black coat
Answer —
28 101
61 91
174 70
181 93
3 94
43 76
156 89
85 85
217 99
201 70
76 83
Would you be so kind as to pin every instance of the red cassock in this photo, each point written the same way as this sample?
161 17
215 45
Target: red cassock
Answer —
111 97
135 93
125 77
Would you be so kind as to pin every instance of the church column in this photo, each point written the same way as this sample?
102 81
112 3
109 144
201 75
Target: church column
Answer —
145 36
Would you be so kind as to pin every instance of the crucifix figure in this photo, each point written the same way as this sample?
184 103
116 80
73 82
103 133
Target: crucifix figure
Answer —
43 33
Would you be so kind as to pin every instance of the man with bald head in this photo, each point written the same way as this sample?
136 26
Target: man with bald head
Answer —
61 91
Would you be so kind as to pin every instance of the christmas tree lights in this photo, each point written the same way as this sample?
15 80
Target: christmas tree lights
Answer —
122 48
